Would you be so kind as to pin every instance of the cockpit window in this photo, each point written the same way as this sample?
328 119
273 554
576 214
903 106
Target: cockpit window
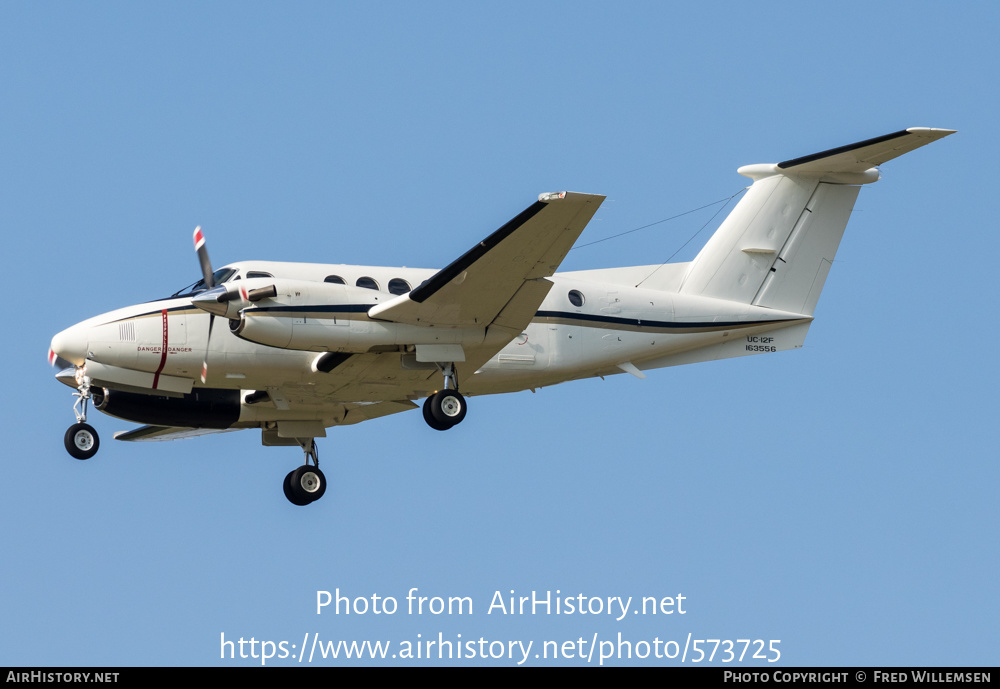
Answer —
218 277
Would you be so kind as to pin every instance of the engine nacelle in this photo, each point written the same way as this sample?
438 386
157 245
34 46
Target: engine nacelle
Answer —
319 329
229 299
201 408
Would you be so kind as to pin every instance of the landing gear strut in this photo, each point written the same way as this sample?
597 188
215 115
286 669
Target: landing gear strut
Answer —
81 440
445 408
307 483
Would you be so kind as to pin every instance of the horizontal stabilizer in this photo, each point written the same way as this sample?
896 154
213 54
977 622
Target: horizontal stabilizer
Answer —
865 154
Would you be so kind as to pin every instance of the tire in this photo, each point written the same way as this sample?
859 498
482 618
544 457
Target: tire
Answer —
429 415
81 441
307 484
448 407
287 487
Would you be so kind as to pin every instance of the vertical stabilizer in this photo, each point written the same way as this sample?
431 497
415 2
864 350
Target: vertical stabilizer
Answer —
737 258
777 245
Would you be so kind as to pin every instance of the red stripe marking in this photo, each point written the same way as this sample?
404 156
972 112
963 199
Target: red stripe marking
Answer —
163 356
199 238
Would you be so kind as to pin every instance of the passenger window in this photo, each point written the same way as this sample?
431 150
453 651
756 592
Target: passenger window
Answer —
576 297
398 286
367 283
258 274
335 279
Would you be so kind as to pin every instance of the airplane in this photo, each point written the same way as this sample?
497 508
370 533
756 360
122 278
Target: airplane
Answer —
293 349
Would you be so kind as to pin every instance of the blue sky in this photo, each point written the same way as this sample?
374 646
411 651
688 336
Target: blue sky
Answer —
841 498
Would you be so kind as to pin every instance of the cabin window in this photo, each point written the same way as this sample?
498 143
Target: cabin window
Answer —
576 297
398 286
258 274
335 279
367 282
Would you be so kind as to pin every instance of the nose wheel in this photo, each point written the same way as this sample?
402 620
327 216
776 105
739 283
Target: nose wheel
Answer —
307 483
81 440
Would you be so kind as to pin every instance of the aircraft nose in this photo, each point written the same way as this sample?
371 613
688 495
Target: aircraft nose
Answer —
71 344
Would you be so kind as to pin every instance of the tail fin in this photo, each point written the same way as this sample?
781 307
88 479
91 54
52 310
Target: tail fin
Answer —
776 247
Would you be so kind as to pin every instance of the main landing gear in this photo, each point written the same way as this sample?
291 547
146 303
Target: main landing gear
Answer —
81 440
307 483
445 408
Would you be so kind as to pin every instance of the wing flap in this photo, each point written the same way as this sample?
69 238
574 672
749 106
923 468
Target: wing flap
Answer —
364 412
151 433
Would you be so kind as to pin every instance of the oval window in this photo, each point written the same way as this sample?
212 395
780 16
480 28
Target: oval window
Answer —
335 279
398 286
367 282
576 297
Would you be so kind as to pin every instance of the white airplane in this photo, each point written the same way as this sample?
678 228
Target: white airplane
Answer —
296 348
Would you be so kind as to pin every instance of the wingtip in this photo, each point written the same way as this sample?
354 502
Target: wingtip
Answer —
931 132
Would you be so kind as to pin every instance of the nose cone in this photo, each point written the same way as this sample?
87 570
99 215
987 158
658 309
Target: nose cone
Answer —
71 344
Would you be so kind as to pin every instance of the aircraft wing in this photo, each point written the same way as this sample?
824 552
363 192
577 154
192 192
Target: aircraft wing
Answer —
503 274
339 414
865 154
168 433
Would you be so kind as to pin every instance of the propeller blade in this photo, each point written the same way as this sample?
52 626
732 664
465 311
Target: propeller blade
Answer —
206 264
208 348
206 274
56 360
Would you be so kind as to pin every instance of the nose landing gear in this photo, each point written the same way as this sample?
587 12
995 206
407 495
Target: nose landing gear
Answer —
81 440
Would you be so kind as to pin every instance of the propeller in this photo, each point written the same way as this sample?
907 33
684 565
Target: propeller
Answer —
206 273
56 360
217 301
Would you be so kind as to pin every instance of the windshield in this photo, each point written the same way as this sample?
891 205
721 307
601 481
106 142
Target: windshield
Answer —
218 277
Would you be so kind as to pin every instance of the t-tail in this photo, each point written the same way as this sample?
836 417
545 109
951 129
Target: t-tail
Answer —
777 245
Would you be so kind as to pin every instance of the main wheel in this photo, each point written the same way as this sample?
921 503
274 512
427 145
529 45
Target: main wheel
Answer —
448 407
305 485
429 415
287 488
81 441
